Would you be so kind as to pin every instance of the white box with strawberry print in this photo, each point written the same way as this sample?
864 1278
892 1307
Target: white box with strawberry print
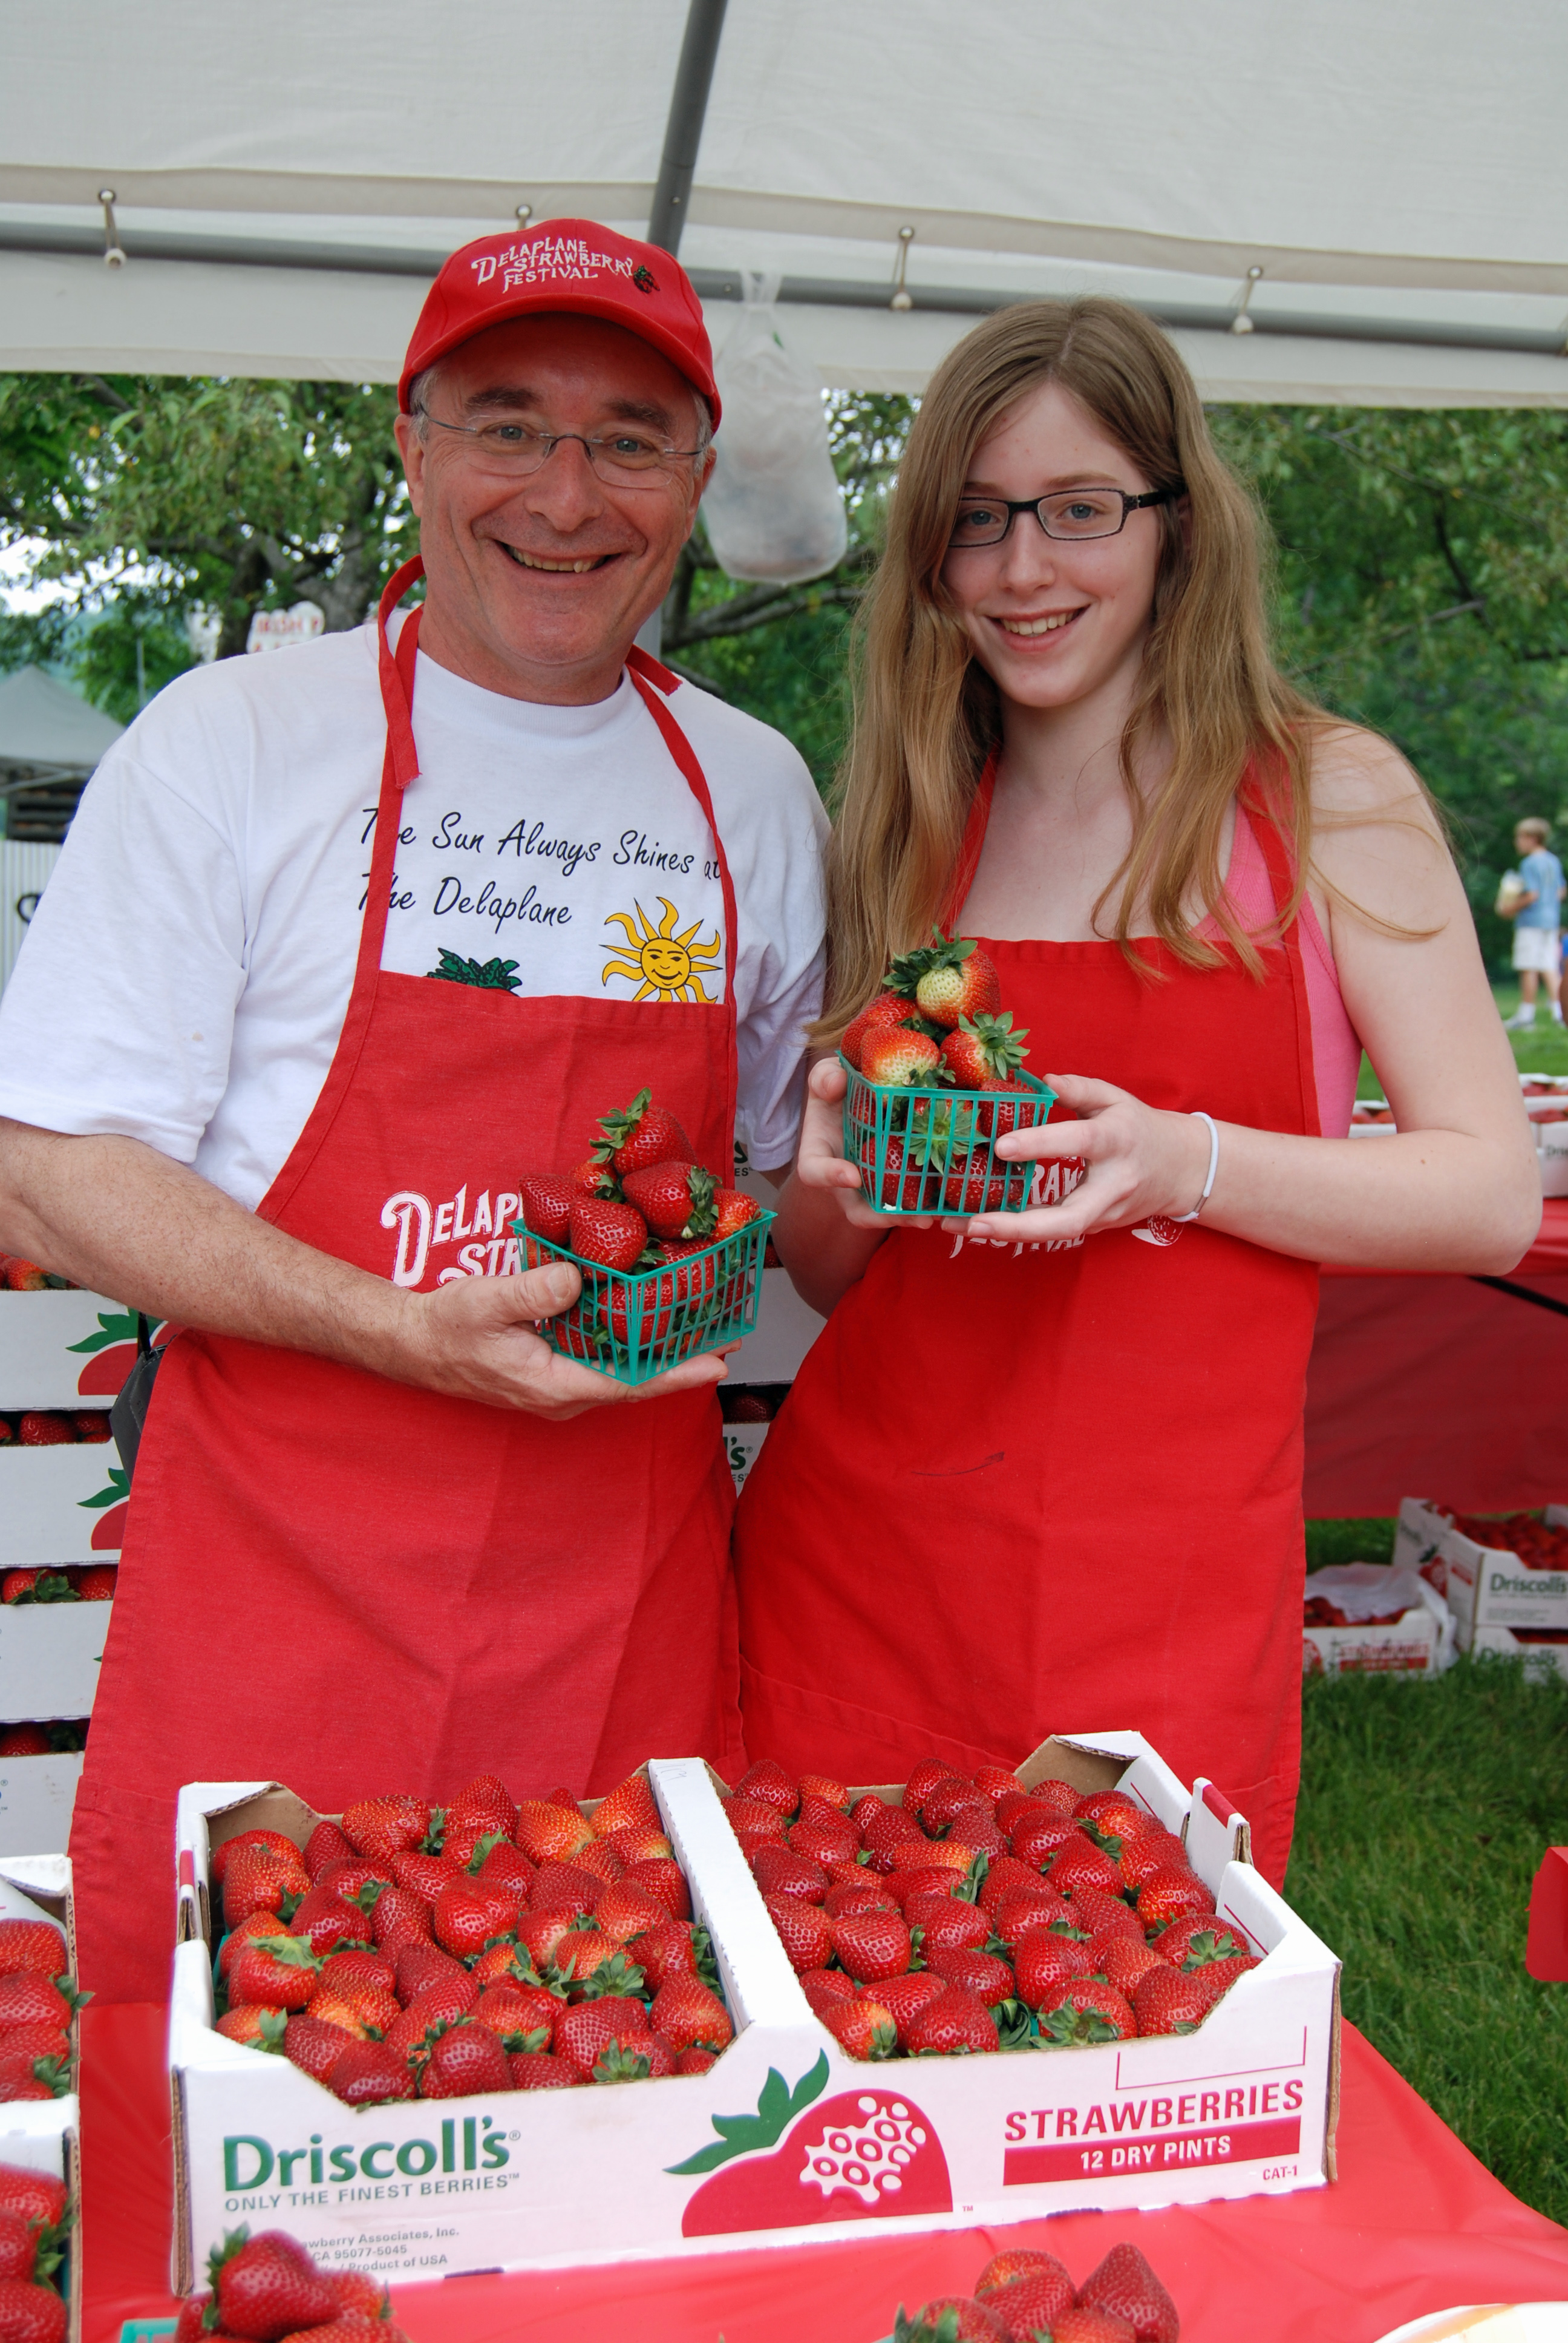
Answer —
1544 1651
36 1798
1418 1540
50 1654
785 2136
64 1350
63 1505
1490 1586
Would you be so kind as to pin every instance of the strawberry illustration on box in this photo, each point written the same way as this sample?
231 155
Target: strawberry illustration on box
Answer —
859 2154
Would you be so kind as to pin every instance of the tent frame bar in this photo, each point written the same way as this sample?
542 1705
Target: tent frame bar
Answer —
724 285
683 131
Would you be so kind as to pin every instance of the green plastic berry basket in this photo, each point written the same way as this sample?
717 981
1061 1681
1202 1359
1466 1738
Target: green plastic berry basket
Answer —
922 1152
633 1324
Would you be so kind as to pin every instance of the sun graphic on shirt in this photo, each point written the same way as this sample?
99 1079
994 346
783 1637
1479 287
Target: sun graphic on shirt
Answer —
663 963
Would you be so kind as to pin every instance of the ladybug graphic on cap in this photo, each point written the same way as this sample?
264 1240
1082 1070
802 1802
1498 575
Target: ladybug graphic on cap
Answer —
644 279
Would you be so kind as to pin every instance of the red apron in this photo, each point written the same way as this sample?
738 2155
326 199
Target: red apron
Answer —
350 1586
1013 1494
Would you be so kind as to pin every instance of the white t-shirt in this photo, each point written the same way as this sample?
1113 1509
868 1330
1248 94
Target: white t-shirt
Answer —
186 975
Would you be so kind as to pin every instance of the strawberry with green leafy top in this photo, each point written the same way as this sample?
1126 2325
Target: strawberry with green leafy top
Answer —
872 1945
464 2059
611 1234
733 1210
890 1054
862 2030
676 1199
267 2286
953 2024
960 982
689 2017
641 1134
887 1010
984 1052
1088 2010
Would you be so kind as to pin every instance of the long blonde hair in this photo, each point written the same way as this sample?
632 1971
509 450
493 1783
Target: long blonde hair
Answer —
926 714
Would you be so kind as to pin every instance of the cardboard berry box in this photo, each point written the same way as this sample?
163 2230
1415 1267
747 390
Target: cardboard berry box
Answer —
1543 1650
63 1505
785 2136
44 2135
1490 1586
50 1655
37 1796
68 1349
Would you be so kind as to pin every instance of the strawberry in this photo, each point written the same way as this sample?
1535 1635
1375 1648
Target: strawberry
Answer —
520 2009
1085 1865
367 2073
1016 2262
1124 2286
464 2059
862 2030
989 1980
890 1054
983 1052
929 1880
399 1919
946 1924
19 1276
222 1856
505 1865
1104 1915
18 2245
37 1946
256 2027
550 1833
580 2034
259 1878
18 1585
782 1871
1084 2325
546 1205
913 1190
278 1972
423 1876
662 1952
933 1854
634 2059
953 2024
924 1778
1157 1850
541 2071
1114 1815
820 1844
820 1815
768 1782
1031 2305
1005 1877
354 2289
312 2046
664 1879
565 1887
1171 1894
1199 1942
325 1921
676 1199
903 1998
1087 2011
469 1912
1045 1966
357 1966
332 2010
960 982
611 1234
887 1009
1059 1798
806 1934
961 2317
267 2286
623 1913
371 2005
24 1741
379 1828
592 1178
734 1210
981 1188
946 1798
482 1808
38 2040
420 1963
23 2078
641 1134
1218 1975
45 1428
628 1806
35 2196
690 2016
825 1988
355 1881
1039 1838
871 1946
31 2313
832 1793
1020 1915
1123 1962
863 1894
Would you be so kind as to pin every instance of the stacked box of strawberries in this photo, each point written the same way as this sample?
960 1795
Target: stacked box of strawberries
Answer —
410 1951
976 1916
36 2216
53 1427
936 1076
268 2287
38 2005
20 1276
1025 2296
671 1260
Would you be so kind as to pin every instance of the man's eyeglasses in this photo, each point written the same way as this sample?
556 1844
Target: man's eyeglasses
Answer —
630 456
1070 514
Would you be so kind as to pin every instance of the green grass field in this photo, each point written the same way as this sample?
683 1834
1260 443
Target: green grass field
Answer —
1544 1050
1425 1809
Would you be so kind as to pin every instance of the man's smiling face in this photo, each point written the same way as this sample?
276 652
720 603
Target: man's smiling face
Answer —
538 584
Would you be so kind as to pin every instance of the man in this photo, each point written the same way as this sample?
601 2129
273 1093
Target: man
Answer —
306 996
1535 906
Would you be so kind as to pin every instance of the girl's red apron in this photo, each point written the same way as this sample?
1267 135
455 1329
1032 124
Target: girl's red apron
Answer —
1014 1494
350 1586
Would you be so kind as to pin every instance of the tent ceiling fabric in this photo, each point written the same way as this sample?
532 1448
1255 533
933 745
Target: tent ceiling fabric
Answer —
1398 161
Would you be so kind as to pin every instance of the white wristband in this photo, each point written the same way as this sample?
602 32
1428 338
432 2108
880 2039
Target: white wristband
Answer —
1199 1116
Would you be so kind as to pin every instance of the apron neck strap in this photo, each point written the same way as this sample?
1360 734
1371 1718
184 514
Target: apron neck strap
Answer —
651 680
398 767
968 863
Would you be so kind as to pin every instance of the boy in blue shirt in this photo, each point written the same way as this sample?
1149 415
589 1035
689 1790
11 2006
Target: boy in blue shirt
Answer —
1537 938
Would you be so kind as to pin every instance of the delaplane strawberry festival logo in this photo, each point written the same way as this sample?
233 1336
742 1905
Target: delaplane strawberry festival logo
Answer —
859 2156
554 259
481 1230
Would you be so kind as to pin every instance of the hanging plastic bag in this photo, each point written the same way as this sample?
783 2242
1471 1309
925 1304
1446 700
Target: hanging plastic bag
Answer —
773 510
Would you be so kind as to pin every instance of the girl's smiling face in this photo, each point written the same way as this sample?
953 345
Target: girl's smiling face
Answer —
1053 622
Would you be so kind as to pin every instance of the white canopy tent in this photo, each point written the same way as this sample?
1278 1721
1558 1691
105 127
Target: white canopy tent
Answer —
1381 180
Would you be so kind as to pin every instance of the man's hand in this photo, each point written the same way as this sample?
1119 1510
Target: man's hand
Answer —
474 1339
121 1219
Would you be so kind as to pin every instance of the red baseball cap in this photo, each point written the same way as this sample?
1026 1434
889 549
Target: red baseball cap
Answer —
565 264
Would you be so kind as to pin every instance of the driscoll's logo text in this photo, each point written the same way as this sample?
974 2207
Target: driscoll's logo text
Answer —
472 2146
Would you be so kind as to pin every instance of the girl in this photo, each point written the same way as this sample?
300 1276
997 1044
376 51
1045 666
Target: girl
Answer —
1042 1472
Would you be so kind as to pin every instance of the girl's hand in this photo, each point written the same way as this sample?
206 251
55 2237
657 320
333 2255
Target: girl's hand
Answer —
820 1163
1138 1162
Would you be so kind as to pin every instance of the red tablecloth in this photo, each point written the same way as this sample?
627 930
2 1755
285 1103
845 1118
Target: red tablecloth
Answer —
1414 2224
1440 1387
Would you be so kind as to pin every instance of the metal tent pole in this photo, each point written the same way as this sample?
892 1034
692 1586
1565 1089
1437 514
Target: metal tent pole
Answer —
677 167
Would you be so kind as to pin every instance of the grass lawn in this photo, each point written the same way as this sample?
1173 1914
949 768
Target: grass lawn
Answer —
1544 1050
1425 1809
